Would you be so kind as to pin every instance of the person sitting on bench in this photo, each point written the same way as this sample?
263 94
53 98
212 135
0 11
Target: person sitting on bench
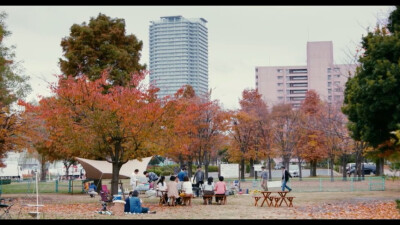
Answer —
208 190
220 189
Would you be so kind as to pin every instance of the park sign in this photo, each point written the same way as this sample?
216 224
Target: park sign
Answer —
257 167
229 170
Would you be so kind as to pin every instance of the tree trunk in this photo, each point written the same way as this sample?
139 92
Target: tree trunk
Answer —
359 160
285 162
300 171
331 166
205 171
344 172
115 175
67 165
313 168
269 168
242 169
251 167
42 169
116 166
190 163
379 167
181 163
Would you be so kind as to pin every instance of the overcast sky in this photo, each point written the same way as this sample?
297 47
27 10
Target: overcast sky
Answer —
239 37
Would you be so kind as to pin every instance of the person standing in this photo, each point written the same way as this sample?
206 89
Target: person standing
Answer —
182 174
264 178
285 179
152 178
199 177
134 179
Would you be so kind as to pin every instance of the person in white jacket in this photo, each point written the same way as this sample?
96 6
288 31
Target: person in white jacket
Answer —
134 179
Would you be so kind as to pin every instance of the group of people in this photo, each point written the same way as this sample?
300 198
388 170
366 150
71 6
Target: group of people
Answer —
182 182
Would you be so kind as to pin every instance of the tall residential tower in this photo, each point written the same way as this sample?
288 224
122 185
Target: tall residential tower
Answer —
179 54
289 84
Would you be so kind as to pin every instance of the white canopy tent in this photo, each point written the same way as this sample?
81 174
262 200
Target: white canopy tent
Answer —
98 169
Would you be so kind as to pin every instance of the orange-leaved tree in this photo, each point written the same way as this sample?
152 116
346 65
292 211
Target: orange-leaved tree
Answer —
312 144
248 143
116 123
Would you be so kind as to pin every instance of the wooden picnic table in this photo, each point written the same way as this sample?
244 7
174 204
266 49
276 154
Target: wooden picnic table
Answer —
277 199
266 195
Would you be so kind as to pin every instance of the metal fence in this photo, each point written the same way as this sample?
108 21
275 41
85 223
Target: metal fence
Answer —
351 184
29 187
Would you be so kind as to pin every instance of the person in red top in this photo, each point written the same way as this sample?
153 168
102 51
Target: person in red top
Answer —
220 188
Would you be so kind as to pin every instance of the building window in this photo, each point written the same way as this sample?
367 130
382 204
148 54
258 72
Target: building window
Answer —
298 91
298 85
329 91
337 75
280 97
329 84
256 76
297 98
280 91
337 97
337 82
256 83
294 71
329 77
280 84
256 69
280 77
279 70
336 69
329 70
338 89
298 78
329 98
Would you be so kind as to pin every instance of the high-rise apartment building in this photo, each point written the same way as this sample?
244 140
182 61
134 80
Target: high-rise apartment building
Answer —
179 54
289 84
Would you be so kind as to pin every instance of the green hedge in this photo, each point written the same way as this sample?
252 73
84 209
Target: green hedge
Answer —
5 181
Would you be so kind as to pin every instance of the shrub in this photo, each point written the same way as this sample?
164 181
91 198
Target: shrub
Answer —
398 204
5 181
212 168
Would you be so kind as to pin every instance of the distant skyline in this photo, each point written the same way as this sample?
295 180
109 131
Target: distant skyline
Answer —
240 37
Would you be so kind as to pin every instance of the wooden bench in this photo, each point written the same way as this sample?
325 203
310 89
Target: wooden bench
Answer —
208 198
290 198
256 198
223 196
186 199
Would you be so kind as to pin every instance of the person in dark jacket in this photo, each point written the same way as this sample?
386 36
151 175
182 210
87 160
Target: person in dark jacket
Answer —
285 178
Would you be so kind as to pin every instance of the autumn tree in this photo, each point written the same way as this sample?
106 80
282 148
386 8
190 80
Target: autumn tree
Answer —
338 140
312 144
117 124
13 85
248 142
285 123
372 96
101 44
210 126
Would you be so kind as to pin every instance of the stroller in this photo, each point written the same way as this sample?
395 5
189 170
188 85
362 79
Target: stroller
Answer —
105 200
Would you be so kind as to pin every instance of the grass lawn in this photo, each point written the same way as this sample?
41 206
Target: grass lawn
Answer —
307 205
